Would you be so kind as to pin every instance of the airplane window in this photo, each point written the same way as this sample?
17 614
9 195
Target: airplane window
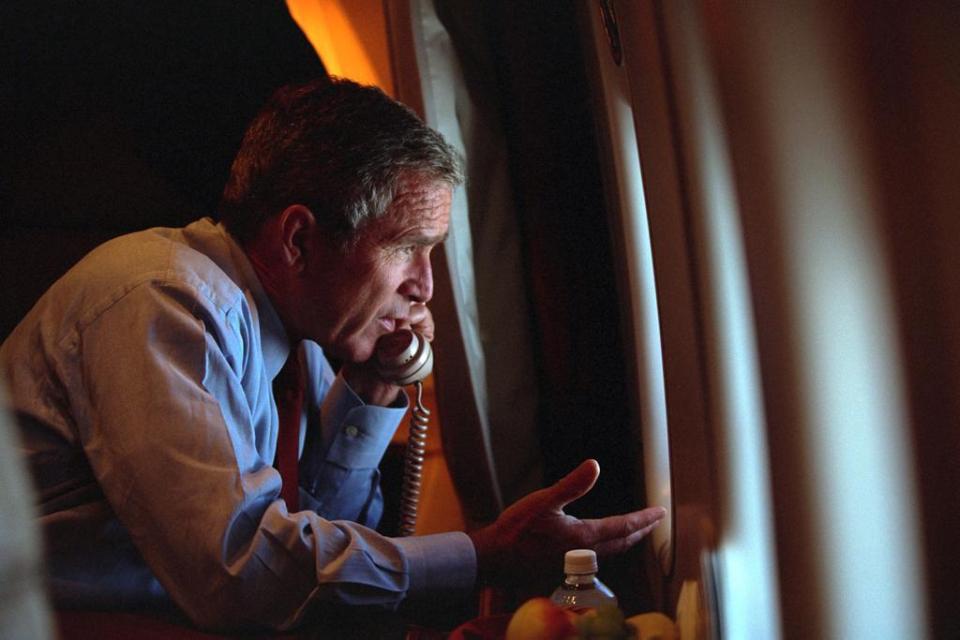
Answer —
641 291
693 331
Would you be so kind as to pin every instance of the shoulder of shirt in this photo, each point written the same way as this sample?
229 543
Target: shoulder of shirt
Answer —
166 258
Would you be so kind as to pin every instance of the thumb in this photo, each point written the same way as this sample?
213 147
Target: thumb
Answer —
573 485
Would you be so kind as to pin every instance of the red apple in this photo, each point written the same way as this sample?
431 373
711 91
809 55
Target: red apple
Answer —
541 619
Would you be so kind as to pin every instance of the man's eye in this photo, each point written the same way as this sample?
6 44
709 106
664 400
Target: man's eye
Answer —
402 252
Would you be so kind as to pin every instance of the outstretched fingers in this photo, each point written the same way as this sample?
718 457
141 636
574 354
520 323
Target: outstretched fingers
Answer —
616 534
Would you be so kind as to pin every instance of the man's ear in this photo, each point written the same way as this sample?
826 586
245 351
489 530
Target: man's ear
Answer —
296 224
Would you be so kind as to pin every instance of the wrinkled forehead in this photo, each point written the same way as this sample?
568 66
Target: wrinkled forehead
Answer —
419 209
426 204
421 199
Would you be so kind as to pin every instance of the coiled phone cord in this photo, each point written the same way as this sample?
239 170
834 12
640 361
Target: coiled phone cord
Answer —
413 464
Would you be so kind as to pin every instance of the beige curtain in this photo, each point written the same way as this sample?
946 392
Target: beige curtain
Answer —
486 385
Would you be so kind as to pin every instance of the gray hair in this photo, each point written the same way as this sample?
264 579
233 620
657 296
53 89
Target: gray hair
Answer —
337 147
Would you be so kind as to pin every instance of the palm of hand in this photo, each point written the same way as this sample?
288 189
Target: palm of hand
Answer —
532 535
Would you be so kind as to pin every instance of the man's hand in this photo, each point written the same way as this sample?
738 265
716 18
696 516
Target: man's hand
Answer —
532 535
363 378
420 320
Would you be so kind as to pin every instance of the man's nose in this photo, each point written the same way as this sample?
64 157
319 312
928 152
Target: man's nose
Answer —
419 286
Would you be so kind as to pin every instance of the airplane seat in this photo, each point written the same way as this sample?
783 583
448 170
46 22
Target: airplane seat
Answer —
24 608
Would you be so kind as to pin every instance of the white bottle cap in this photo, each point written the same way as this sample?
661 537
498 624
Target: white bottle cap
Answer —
580 561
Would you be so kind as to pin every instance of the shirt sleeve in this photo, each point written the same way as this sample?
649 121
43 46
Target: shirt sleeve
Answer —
168 424
344 444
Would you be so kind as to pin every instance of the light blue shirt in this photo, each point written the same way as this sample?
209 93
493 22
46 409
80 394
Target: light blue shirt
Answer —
142 380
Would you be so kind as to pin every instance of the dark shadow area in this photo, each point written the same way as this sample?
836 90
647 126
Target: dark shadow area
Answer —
122 115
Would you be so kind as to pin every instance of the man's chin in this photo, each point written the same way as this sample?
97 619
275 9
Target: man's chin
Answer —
356 352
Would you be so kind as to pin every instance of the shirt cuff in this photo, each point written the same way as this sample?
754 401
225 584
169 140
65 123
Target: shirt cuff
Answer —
355 434
440 562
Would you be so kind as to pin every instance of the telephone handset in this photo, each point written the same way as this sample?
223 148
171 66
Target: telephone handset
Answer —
403 358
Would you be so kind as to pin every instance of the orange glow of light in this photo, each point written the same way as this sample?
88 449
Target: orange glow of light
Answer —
350 36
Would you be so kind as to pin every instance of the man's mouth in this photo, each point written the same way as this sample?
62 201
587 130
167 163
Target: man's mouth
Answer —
390 324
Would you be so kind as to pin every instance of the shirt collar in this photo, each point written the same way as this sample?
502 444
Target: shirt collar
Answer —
274 341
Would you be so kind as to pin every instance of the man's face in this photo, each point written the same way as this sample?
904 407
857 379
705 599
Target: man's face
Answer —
351 299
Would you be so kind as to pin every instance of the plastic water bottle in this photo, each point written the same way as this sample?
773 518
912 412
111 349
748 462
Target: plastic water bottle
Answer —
580 588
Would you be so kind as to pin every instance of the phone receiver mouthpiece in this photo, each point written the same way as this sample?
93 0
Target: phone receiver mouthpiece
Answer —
404 357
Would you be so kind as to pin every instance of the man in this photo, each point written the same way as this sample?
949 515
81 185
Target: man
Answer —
143 380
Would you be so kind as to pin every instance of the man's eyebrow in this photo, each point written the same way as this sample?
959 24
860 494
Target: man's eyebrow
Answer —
423 240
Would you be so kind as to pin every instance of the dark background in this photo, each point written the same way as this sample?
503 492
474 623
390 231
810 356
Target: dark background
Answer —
120 115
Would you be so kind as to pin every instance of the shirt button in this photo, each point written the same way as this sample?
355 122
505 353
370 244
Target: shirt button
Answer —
352 431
